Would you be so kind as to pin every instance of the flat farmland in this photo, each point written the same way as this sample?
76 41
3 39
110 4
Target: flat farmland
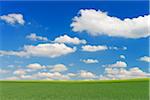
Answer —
75 90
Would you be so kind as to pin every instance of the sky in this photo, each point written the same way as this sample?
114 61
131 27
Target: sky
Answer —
68 40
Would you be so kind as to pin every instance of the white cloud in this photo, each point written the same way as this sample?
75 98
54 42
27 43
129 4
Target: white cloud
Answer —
39 76
118 64
43 74
100 23
10 66
87 75
110 70
35 66
19 72
124 48
67 39
109 74
90 61
3 71
118 48
53 68
71 74
122 57
12 78
113 48
71 64
118 71
145 59
53 76
34 37
13 18
59 68
122 73
13 53
26 77
94 48
137 72
42 50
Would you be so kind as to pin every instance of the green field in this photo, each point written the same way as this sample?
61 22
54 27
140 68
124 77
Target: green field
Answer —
75 90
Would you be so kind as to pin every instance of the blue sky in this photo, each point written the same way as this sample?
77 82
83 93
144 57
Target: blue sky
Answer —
126 52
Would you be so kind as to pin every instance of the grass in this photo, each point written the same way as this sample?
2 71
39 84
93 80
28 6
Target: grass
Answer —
136 89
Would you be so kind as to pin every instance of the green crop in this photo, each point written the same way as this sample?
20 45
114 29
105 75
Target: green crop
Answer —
75 90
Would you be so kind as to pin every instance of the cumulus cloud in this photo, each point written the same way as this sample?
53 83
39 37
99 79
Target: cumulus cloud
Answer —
59 68
86 74
100 23
35 66
124 48
72 74
36 71
118 64
122 73
22 74
90 61
42 50
122 56
3 71
137 72
13 18
19 72
12 78
117 48
20 77
26 77
69 40
145 59
94 48
119 70
34 37
53 76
